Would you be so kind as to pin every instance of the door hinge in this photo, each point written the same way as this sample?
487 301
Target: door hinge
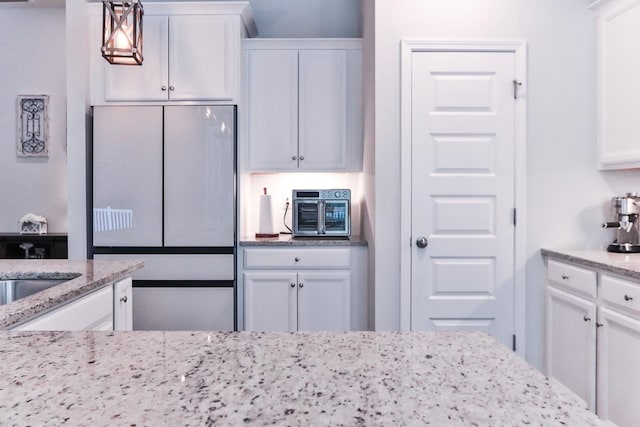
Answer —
515 88
514 217
514 342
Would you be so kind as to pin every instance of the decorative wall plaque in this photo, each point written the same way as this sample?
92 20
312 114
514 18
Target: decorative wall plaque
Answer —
33 125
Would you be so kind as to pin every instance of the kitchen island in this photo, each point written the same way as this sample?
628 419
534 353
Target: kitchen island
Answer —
300 378
81 278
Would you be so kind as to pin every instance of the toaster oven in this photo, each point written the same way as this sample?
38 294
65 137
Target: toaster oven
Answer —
321 213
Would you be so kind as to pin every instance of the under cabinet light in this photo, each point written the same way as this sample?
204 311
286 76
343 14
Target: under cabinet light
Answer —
122 32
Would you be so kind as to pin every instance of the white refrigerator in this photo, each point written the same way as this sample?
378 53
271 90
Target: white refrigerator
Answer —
163 190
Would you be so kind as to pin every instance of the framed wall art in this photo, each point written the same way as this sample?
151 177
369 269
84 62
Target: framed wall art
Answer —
33 125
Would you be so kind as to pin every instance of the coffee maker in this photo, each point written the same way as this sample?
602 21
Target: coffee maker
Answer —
627 227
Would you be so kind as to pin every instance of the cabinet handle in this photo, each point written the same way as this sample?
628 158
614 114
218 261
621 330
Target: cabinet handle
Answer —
123 299
163 88
293 157
297 259
293 285
301 284
628 298
586 319
301 157
171 87
599 325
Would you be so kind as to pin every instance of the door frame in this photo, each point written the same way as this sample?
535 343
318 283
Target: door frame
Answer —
519 48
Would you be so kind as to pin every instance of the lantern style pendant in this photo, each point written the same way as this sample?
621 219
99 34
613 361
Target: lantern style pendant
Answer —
122 32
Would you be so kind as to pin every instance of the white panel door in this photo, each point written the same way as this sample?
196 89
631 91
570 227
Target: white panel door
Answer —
127 176
270 301
272 88
324 302
323 110
144 82
570 343
201 57
463 191
199 158
618 373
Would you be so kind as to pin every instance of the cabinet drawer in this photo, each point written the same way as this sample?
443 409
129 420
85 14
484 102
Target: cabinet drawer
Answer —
577 279
621 293
297 258
91 312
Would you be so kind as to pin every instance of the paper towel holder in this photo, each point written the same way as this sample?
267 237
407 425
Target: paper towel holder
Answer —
266 220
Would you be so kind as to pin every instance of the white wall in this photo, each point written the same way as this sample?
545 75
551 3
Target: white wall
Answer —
307 18
32 63
567 196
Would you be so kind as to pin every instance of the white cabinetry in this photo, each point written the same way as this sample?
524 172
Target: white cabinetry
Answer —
91 312
191 52
618 84
291 289
123 305
593 325
304 105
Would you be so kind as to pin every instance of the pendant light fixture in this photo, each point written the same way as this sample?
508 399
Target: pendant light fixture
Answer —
122 32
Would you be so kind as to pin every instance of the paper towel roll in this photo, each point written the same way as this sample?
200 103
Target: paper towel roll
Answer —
266 217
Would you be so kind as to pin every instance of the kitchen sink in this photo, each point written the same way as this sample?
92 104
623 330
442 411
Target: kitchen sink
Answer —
11 290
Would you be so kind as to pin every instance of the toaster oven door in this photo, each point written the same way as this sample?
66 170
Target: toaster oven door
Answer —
306 217
336 218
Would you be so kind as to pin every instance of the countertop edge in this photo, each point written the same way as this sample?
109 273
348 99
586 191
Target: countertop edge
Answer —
287 240
623 264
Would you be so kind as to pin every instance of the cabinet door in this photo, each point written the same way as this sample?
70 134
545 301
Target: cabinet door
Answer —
618 372
323 110
144 82
324 302
199 158
272 90
270 301
202 56
122 305
127 176
571 343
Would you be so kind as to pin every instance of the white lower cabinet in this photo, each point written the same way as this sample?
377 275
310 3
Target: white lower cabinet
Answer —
593 339
91 312
304 289
123 305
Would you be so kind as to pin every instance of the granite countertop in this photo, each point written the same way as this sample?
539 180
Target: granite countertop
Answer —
84 276
287 240
280 378
624 264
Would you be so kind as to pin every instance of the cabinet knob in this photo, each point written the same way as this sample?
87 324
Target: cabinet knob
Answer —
123 299
293 157
297 259
301 284
163 88
628 298
586 318
565 277
301 157
293 285
171 87
599 325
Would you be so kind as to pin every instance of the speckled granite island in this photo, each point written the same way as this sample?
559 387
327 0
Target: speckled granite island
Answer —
84 277
242 378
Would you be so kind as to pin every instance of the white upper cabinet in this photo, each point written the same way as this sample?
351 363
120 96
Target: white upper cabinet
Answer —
618 84
304 105
191 52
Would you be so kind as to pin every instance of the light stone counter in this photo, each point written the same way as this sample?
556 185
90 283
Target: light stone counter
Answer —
84 277
287 240
624 264
299 378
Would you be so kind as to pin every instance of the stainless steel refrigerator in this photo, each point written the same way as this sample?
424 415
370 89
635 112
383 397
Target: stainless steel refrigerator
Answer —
163 190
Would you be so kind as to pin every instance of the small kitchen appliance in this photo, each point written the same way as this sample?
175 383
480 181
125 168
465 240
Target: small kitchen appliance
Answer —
626 209
321 213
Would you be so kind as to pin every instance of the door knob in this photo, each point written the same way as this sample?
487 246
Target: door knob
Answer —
422 242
